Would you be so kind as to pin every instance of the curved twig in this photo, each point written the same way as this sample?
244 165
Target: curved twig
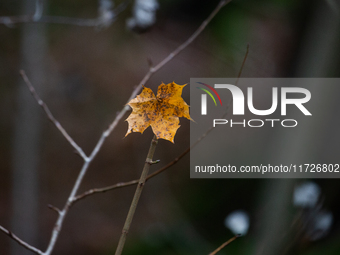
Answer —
224 245
21 242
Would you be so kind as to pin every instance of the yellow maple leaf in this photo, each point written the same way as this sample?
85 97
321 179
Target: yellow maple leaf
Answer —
161 112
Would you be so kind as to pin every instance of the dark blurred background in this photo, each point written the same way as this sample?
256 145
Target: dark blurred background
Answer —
86 74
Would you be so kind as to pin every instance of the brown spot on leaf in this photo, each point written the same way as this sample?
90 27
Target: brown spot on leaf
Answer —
161 112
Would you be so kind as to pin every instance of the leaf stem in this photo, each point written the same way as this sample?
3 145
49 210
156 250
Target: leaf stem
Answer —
136 197
224 245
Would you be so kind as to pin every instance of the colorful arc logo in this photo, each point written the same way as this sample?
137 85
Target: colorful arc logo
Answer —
213 90
204 97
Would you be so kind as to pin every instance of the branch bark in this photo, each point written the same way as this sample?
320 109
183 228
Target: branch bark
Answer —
88 159
224 245
51 117
133 182
21 242
136 197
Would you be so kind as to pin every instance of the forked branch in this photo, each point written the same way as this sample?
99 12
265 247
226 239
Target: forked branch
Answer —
51 117
88 159
133 182
154 69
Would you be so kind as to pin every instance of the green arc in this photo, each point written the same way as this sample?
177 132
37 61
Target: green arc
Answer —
208 92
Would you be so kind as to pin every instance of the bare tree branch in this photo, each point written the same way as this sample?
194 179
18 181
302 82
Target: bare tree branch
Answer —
224 245
152 70
136 197
57 210
64 211
129 183
88 159
51 117
21 242
10 21
107 132
243 62
133 182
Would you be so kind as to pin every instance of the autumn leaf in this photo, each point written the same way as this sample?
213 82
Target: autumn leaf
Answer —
161 112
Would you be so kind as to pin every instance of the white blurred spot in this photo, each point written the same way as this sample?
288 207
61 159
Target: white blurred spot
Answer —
237 222
144 14
306 194
105 10
321 225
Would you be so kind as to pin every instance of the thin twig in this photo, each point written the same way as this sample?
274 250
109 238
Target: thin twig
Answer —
224 245
57 210
62 214
21 242
152 70
195 34
129 183
12 20
105 134
137 195
243 62
133 182
51 117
